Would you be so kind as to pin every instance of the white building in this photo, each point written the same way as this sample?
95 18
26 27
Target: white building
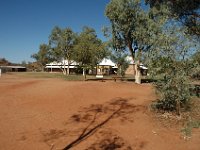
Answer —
105 67
57 66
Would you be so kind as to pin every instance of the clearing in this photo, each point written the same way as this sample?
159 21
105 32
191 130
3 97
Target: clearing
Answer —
49 114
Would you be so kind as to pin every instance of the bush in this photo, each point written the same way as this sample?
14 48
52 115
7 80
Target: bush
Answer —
174 89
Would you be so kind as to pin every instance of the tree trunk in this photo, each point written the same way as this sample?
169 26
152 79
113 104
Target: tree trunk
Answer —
132 52
84 74
137 73
64 71
43 69
85 77
178 107
68 67
83 71
120 70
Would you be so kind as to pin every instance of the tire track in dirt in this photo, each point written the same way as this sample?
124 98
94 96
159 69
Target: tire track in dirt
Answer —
18 86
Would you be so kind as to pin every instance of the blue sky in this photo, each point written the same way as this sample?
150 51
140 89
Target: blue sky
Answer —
25 24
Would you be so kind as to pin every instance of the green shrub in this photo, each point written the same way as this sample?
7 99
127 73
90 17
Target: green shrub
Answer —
187 130
174 92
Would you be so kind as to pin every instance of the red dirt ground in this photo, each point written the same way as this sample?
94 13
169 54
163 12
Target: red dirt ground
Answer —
48 114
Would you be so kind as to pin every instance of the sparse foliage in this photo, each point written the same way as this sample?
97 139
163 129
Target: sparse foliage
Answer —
42 57
195 67
119 58
133 28
62 43
4 62
186 11
170 61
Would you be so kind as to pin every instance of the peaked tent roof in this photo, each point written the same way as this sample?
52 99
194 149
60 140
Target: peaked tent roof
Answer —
106 62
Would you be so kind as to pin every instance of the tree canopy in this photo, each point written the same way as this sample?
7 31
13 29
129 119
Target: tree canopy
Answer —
134 28
186 11
155 34
89 49
119 58
4 62
62 43
42 56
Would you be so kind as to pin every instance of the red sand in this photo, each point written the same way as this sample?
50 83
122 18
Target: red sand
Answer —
44 114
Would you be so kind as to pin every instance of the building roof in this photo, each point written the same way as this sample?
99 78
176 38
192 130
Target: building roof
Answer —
106 62
143 67
17 67
59 66
73 63
55 64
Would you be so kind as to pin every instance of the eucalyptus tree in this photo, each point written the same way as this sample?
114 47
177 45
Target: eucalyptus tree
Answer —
170 63
134 28
154 35
89 50
42 56
185 11
62 43
119 58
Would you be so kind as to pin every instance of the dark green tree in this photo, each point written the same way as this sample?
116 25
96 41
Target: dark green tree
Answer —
4 62
42 56
89 50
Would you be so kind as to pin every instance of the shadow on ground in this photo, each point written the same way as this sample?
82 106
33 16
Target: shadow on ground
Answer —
93 120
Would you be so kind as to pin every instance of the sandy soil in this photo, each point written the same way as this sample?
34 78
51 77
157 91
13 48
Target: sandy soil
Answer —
49 114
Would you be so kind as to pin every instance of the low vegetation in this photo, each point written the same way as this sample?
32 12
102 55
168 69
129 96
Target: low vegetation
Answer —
187 130
71 77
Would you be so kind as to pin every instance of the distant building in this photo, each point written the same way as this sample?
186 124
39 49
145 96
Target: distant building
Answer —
13 69
130 69
57 66
105 67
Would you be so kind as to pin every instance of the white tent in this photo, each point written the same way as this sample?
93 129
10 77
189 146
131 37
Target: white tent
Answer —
107 62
